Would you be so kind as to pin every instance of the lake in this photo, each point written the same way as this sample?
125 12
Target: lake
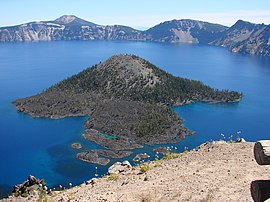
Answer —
41 147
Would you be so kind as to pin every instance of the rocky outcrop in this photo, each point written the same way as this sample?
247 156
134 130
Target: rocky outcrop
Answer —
119 167
31 186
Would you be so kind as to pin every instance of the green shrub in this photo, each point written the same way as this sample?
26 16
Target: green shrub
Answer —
113 177
157 165
172 156
145 168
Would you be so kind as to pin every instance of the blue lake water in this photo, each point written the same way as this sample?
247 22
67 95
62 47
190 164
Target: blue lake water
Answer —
41 147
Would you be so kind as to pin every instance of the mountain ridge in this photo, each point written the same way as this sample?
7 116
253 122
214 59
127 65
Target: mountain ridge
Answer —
243 37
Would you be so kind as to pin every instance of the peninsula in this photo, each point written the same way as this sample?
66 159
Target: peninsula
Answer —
128 101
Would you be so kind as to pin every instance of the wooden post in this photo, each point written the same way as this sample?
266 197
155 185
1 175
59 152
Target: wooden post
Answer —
262 152
260 190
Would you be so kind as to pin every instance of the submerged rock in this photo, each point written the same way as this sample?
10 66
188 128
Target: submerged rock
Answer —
76 145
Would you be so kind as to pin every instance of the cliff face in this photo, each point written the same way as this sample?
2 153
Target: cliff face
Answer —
185 31
245 37
66 28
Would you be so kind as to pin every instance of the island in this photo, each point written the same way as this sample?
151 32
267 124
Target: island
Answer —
128 101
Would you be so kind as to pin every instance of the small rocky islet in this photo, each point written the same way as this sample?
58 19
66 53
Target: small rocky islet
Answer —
129 102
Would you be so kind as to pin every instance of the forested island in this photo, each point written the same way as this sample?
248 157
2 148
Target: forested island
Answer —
128 101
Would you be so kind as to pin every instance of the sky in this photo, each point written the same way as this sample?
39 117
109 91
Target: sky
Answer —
140 14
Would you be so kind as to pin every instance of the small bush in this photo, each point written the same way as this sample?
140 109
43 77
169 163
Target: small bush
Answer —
42 196
171 156
145 168
113 177
25 194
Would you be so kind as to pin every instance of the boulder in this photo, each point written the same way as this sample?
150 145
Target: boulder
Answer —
240 140
127 164
119 167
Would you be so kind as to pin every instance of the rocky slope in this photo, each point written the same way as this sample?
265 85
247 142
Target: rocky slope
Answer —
214 172
128 100
185 31
245 37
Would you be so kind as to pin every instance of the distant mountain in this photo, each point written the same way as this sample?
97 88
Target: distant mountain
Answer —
72 20
245 37
70 27
185 31
67 27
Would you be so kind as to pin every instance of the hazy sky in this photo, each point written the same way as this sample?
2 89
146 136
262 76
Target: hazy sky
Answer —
135 13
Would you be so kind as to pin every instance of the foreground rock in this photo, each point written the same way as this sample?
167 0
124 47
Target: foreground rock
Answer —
119 167
214 172
32 186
